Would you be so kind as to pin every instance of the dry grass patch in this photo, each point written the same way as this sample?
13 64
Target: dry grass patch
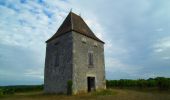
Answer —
109 94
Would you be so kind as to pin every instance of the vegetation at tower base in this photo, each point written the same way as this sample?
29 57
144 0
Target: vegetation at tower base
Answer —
161 83
69 87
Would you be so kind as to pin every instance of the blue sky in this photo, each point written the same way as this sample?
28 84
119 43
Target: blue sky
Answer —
136 33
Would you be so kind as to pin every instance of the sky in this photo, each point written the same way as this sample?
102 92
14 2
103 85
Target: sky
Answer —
136 35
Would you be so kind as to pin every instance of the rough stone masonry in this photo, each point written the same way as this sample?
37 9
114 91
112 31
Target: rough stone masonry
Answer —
74 54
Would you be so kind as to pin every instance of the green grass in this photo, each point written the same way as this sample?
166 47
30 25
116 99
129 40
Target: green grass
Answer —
104 92
109 94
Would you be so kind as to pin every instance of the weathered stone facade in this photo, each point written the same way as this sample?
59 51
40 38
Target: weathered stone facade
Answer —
67 59
81 68
57 75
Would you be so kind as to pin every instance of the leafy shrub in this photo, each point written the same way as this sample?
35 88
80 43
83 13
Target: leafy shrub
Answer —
1 92
6 90
163 83
159 82
69 87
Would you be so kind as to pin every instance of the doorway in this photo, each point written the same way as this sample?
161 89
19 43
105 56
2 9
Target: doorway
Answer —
91 84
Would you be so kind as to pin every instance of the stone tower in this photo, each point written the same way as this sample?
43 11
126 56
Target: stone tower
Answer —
74 53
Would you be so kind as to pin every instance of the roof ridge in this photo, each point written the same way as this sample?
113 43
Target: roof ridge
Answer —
71 20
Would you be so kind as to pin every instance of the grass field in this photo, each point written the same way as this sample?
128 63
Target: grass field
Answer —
113 94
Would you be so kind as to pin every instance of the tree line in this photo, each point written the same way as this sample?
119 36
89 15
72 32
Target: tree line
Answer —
158 82
19 88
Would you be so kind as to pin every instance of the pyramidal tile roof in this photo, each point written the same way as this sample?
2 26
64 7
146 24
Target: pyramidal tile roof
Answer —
75 23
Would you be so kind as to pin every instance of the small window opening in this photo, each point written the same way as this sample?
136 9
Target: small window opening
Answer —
84 40
90 58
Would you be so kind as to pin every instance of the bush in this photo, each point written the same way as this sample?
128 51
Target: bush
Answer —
1 92
141 83
69 87
163 83
6 90
159 82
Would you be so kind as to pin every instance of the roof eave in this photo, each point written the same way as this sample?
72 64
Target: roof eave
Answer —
74 31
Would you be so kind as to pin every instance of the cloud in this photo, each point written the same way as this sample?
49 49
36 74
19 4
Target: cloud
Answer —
159 29
35 73
162 44
96 27
166 58
136 36
162 47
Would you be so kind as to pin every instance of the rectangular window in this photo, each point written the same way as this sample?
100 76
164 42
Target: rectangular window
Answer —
90 57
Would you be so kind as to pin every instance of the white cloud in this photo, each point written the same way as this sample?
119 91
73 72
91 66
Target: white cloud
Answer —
114 64
36 27
162 45
121 29
166 58
35 73
161 49
148 75
158 50
159 29
96 27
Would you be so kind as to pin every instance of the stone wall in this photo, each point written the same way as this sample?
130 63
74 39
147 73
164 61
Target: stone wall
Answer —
71 50
81 69
57 73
